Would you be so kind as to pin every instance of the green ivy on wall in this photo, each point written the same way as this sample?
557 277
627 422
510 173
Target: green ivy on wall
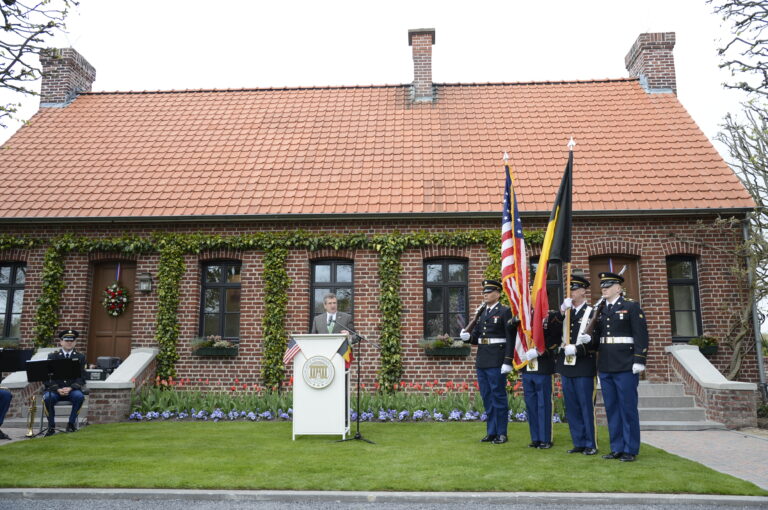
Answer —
173 247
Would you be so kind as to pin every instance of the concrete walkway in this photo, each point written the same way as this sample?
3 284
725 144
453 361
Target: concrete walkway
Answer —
741 453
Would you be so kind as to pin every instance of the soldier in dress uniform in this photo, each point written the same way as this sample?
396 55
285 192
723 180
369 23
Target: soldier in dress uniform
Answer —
579 379
621 335
59 389
494 334
5 404
538 384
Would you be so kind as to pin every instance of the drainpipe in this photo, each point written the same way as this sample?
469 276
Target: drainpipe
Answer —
756 322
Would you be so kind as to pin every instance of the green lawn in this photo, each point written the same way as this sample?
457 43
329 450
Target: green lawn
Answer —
406 457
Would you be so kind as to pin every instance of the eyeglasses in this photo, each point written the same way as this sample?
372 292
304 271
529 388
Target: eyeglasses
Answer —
67 339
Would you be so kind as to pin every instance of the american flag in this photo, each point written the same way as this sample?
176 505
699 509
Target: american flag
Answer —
291 352
514 271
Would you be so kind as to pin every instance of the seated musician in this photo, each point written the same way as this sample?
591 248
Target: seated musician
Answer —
5 404
71 390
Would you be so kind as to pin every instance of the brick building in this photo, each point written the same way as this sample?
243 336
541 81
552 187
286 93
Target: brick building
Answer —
367 161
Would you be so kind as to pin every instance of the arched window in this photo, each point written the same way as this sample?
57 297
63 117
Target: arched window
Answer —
220 300
445 297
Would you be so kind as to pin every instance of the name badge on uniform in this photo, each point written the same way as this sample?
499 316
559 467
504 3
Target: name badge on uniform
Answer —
495 319
621 314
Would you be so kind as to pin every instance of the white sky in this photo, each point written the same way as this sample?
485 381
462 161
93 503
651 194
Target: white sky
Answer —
180 44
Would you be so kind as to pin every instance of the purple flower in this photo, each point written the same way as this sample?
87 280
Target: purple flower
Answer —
521 416
403 415
437 416
251 416
455 415
383 416
484 416
556 418
136 416
266 415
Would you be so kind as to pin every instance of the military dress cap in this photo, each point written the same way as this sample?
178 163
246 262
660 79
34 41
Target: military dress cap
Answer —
579 282
608 279
68 334
491 285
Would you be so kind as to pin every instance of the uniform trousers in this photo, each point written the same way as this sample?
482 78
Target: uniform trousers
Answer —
5 403
579 395
493 390
537 393
620 397
52 397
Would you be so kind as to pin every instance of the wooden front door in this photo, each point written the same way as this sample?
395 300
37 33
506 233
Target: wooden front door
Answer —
108 335
631 276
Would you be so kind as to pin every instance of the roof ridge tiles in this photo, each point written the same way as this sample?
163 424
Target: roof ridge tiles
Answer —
339 87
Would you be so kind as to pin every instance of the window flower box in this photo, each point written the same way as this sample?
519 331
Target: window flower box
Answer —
215 351
444 345
213 346
707 345
448 351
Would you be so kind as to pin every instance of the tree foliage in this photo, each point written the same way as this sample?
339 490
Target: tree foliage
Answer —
745 135
745 54
26 26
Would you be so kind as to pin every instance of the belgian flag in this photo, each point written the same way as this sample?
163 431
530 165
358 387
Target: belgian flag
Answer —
556 247
345 351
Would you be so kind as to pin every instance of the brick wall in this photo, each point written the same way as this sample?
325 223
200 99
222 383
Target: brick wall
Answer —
651 56
650 240
733 408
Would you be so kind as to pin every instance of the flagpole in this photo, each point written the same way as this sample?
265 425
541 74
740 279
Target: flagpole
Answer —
569 360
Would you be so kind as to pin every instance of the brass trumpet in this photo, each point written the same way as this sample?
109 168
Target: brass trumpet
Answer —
31 416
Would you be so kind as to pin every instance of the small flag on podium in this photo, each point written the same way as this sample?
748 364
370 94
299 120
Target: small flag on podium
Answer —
345 351
291 352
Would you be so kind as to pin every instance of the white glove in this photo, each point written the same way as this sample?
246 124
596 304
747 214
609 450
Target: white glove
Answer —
583 339
532 354
570 350
505 369
637 368
464 335
567 303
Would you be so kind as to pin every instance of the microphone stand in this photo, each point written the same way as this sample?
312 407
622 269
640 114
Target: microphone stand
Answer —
357 436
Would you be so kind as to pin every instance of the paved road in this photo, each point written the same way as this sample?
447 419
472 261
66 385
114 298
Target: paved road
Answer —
105 499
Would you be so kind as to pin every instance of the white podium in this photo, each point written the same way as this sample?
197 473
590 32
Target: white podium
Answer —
320 387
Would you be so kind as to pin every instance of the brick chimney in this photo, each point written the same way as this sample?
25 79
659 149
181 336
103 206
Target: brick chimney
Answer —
422 39
65 73
652 61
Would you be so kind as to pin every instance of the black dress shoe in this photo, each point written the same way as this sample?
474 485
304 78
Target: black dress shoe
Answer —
627 457
590 451
71 427
612 455
3 435
545 445
51 431
534 444
500 439
488 439
578 449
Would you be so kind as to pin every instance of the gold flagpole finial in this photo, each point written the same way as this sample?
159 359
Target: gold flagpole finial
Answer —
571 143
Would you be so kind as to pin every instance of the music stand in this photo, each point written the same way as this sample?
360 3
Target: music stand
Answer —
45 370
13 360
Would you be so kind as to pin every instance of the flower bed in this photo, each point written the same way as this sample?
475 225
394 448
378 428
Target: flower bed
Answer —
407 402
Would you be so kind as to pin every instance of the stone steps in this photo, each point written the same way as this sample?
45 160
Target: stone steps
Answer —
667 407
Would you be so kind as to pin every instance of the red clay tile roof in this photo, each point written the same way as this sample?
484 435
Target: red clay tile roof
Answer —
361 150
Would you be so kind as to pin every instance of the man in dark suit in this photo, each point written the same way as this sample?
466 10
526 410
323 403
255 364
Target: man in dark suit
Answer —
578 372
494 334
622 339
68 389
332 321
5 404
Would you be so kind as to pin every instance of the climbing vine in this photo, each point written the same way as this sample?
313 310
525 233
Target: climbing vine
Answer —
276 245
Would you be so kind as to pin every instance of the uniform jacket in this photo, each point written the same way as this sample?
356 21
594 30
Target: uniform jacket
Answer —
586 359
320 324
626 319
75 384
497 322
553 334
